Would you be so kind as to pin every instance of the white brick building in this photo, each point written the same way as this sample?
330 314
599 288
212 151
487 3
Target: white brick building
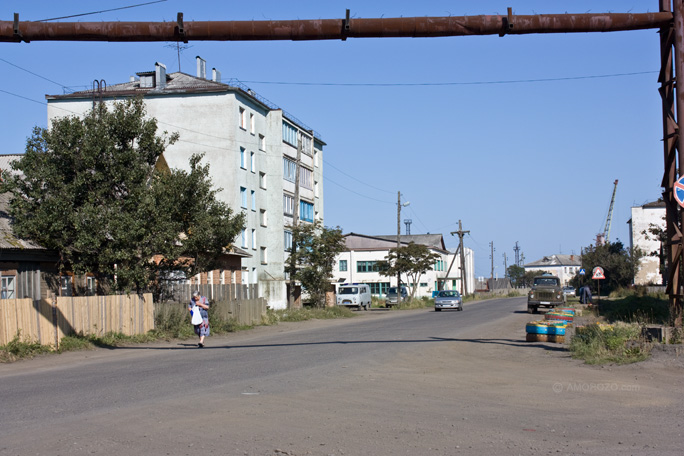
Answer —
643 217
358 264
565 267
251 146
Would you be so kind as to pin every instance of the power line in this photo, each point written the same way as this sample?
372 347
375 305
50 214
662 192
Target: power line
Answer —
357 193
34 74
357 180
419 84
98 12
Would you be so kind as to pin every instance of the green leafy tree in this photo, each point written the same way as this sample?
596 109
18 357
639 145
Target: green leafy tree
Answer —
619 266
311 260
88 189
516 274
412 260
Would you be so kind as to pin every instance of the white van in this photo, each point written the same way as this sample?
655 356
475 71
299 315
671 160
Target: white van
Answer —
354 295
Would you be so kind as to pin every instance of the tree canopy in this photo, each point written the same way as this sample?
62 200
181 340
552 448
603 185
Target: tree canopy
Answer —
88 189
312 256
619 265
412 260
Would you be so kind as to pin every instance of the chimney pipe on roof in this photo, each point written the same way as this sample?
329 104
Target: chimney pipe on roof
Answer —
160 74
201 67
215 75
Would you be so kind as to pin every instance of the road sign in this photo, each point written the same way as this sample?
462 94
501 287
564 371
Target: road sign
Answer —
582 271
598 273
678 191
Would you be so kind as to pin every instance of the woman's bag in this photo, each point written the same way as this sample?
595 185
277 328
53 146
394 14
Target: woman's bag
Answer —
196 316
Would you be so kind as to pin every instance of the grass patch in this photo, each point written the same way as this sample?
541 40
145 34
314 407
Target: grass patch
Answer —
307 313
620 344
650 309
17 349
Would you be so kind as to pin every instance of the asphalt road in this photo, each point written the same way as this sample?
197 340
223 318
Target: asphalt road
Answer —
407 382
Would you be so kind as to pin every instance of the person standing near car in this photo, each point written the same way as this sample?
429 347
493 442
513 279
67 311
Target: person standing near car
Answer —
202 329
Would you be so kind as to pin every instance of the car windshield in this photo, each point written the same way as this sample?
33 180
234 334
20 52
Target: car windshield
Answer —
349 290
548 281
392 290
448 294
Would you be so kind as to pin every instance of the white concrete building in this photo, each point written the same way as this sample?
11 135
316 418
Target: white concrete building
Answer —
359 264
643 218
565 267
251 146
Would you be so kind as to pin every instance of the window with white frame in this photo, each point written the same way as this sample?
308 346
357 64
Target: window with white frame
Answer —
306 145
243 197
243 238
288 204
262 255
262 142
262 214
306 178
288 240
262 180
306 211
243 119
289 134
253 195
91 286
252 162
254 243
7 284
243 158
252 126
289 169
66 285
316 189
315 157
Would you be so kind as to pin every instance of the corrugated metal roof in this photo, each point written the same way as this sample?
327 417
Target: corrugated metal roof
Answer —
557 260
362 241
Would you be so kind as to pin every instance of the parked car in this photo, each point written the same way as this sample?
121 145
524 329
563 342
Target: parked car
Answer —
569 291
354 295
448 299
391 299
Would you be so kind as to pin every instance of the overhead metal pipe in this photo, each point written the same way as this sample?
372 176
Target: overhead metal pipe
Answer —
328 29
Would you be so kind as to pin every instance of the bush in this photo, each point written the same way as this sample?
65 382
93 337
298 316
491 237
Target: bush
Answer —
18 349
620 343
648 309
325 313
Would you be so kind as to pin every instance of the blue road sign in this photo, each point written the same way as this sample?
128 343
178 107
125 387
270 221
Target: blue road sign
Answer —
582 271
678 191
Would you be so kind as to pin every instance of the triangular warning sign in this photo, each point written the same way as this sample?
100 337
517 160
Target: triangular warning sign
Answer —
598 274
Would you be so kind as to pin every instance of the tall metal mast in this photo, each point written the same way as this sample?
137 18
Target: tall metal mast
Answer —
609 219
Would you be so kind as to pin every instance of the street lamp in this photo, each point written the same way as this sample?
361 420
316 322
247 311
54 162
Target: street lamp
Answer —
399 205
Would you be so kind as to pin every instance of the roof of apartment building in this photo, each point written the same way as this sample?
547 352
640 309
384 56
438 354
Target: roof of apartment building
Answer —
356 241
148 83
556 260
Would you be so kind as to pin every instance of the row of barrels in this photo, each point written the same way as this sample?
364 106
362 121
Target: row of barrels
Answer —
552 328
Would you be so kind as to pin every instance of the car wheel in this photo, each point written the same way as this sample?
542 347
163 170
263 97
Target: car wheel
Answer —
460 309
531 309
438 310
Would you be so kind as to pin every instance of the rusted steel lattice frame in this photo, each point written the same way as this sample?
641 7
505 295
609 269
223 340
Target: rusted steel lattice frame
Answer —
672 63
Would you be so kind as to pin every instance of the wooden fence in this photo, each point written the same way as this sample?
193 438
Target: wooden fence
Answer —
48 321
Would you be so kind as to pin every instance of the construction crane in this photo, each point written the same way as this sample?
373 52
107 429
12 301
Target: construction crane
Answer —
604 238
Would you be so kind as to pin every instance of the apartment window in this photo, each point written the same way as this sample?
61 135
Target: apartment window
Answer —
254 239
315 157
316 189
262 180
288 205
252 162
7 284
243 238
343 265
367 266
262 255
288 240
306 145
289 134
306 211
243 197
262 142
251 123
243 158
379 288
262 217
243 119
306 178
253 194
91 286
289 169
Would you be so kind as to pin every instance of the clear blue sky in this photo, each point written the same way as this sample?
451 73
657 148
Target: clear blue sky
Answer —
532 162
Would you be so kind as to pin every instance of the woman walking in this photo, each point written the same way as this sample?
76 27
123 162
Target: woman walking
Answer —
202 329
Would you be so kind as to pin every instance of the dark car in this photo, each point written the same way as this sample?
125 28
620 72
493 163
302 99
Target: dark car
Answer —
448 299
391 299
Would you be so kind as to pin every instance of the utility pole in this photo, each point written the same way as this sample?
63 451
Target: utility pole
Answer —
461 233
295 222
505 265
399 243
491 256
